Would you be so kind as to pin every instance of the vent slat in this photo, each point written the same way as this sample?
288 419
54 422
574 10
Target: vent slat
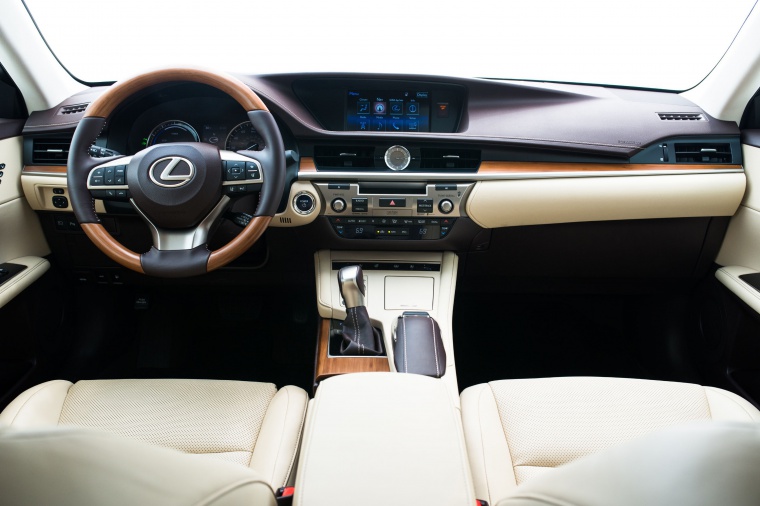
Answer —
681 116
50 151
701 152
443 158
73 109
343 157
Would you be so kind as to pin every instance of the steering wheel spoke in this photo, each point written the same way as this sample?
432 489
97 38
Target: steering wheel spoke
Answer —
242 174
169 239
108 181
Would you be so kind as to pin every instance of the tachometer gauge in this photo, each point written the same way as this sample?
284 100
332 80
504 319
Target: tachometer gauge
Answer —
244 137
172 131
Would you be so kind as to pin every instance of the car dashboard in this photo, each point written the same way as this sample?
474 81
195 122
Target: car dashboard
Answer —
520 179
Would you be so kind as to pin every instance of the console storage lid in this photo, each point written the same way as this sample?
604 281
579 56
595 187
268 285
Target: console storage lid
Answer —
383 438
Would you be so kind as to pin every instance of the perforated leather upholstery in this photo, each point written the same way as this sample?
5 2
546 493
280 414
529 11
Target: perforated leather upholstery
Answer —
251 424
518 429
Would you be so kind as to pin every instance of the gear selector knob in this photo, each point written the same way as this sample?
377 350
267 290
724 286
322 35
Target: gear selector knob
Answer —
351 283
359 337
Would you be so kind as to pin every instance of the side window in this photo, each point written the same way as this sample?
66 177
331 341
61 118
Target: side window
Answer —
12 104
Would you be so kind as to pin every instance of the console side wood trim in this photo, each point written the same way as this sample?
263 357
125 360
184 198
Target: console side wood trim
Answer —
332 366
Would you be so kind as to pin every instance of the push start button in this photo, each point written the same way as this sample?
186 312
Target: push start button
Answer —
304 203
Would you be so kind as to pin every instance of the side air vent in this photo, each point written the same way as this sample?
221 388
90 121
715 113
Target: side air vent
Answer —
73 109
442 158
342 157
681 116
703 152
50 151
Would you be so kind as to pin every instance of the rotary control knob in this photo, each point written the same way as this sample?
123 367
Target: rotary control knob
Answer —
445 206
338 205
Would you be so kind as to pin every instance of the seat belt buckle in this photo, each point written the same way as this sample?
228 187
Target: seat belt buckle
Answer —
481 502
284 496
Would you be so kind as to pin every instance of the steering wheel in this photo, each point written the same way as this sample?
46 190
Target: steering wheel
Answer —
180 189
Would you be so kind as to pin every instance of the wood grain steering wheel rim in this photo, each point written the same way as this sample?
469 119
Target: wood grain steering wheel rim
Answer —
102 108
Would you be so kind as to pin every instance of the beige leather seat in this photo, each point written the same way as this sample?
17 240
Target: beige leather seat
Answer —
250 424
700 464
518 429
80 467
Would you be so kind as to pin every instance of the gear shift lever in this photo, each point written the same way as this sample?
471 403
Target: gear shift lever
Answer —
359 337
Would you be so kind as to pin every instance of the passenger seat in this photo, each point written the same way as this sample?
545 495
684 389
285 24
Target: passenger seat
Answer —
518 429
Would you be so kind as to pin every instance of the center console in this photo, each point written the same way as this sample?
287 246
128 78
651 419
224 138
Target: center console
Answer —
399 211
364 432
395 283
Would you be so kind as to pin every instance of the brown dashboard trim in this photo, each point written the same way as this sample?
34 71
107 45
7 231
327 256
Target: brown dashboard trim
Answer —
331 366
53 170
494 168
488 167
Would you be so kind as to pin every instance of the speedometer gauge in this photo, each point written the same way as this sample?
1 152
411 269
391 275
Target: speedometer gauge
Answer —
172 131
244 137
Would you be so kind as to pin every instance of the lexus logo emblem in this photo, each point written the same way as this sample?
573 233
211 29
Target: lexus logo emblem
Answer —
172 171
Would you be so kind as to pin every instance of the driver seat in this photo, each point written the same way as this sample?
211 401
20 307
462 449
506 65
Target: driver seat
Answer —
251 424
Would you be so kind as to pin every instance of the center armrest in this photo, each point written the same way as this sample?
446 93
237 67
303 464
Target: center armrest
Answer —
383 438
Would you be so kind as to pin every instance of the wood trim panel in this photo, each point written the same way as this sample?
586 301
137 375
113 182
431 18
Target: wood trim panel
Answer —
331 366
307 165
488 167
46 169
105 104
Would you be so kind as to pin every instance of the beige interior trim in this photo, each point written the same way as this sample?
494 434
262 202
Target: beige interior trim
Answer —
729 276
20 231
35 268
742 240
292 218
38 190
383 439
494 204
444 285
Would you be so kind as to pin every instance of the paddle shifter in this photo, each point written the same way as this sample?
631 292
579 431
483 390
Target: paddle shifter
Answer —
359 337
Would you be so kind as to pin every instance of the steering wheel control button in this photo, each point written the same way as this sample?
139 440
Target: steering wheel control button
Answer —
304 203
60 202
252 170
424 205
338 205
234 170
109 176
392 202
397 158
445 206
360 205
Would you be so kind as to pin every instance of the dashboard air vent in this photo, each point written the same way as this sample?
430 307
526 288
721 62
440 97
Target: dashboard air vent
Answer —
50 151
703 152
681 116
343 157
443 158
73 109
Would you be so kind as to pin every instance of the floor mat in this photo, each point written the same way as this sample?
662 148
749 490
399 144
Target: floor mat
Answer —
508 337
220 334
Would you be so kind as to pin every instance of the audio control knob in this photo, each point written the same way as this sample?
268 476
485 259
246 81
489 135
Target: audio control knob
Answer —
445 206
338 205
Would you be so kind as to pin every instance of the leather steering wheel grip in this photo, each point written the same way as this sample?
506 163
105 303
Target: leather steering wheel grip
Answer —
80 163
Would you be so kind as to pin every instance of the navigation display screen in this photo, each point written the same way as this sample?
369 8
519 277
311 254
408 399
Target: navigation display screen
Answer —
388 111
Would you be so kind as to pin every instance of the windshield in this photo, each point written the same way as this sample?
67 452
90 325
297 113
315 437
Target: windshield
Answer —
663 44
